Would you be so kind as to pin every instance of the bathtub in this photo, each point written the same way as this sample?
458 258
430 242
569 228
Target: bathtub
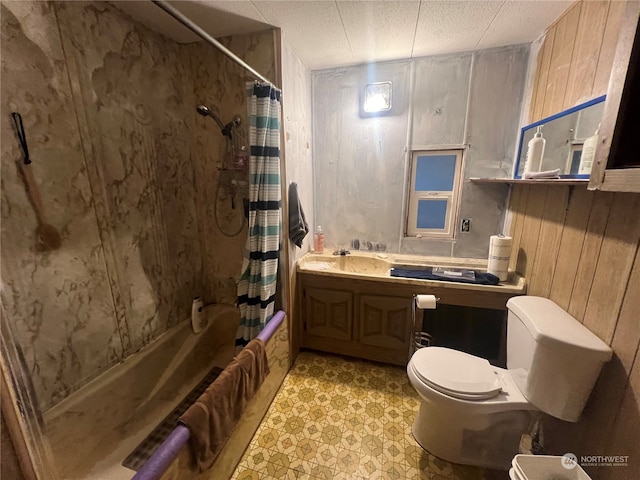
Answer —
96 427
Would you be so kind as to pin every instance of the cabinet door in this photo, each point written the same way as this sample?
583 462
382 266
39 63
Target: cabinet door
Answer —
384 321
328 313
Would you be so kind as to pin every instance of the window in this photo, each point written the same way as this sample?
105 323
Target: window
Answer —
433 193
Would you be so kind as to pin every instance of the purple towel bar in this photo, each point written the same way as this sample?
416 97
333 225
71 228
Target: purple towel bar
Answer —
167 451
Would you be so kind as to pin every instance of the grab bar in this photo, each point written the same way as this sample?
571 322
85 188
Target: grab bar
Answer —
168 450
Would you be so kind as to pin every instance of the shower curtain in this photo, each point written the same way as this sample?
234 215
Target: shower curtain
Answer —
257 286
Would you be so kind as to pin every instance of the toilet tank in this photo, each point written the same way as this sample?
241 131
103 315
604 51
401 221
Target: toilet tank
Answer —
553 359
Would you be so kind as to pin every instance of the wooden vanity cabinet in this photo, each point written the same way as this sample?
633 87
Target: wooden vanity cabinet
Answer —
363 321
372 319
617 162
328 313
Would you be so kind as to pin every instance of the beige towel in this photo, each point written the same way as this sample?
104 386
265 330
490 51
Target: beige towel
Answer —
213 417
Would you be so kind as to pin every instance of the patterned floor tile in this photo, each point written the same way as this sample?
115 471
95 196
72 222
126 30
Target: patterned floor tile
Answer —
336 418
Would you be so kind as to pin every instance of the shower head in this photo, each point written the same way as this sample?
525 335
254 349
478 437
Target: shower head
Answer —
226 129
203 110
207 112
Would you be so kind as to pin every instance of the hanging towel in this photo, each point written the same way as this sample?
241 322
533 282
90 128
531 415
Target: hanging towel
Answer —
298 227
213 417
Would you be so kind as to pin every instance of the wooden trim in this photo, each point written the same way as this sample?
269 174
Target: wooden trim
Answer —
614 96
11 417
621 180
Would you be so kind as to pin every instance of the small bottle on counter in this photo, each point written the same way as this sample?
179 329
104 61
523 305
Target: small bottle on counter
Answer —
318 240
198 319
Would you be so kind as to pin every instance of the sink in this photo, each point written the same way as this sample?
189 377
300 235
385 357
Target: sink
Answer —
366 265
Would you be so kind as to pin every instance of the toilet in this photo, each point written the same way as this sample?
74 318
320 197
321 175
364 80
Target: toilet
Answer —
474 413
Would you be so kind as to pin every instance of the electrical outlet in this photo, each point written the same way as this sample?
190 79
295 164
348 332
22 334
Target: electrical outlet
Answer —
465 226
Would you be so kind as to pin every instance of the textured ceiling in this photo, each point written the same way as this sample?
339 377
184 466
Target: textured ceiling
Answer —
334 33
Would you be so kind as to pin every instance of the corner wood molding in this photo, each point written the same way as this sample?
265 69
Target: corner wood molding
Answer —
601 178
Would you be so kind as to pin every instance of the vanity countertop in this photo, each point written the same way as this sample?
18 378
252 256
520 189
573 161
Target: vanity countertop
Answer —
376 266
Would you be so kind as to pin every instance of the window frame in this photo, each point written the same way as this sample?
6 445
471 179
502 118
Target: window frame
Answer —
452 197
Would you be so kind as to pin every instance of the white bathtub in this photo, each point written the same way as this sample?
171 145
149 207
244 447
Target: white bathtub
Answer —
95 428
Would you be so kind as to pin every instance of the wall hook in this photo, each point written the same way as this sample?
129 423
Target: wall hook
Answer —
22 137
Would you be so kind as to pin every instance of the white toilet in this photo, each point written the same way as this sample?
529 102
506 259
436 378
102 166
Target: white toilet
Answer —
474 413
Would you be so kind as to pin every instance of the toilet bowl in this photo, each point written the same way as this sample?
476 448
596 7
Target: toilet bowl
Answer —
474 413
470 412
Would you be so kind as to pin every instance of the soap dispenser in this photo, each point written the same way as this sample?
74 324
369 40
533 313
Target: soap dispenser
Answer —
318 240
588 153
198 318
535 152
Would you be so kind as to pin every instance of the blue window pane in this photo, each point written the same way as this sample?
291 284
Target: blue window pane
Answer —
431 214
435 173
575 162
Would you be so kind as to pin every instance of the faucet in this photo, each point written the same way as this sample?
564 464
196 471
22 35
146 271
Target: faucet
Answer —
341 251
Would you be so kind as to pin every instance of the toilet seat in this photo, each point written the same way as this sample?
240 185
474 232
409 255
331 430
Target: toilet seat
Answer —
455 373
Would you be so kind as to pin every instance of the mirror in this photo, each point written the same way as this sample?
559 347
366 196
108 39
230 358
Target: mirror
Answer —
564 135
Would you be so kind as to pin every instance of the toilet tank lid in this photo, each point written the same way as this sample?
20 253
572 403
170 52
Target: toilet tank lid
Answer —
545 320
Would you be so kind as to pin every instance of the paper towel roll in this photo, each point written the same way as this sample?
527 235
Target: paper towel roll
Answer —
426 301
499 256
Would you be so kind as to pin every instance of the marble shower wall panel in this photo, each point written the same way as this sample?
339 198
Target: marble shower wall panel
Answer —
131 85
60 301
359 162
221 84
440 95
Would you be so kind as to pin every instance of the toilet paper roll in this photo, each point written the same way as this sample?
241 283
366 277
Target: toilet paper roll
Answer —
426 302
499 256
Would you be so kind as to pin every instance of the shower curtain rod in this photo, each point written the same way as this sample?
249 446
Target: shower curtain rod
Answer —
187 22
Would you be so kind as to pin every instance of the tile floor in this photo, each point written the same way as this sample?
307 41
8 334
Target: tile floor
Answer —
341 418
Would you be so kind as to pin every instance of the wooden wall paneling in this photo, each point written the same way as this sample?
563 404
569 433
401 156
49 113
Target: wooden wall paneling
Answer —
537 102
555 210
608 48
589 35
626 338
614 266
609 391
570 249
561 61
531 230
517 205
623 437
590 253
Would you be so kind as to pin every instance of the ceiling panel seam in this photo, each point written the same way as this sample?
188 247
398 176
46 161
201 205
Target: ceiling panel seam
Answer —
415 29
489 26
261 14
346 35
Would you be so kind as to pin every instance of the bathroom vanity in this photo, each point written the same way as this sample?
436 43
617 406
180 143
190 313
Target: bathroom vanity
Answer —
351 305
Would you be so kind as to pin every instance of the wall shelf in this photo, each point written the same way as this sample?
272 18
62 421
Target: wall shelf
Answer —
539 181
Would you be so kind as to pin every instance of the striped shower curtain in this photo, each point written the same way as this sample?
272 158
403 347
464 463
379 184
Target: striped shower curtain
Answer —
257 286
